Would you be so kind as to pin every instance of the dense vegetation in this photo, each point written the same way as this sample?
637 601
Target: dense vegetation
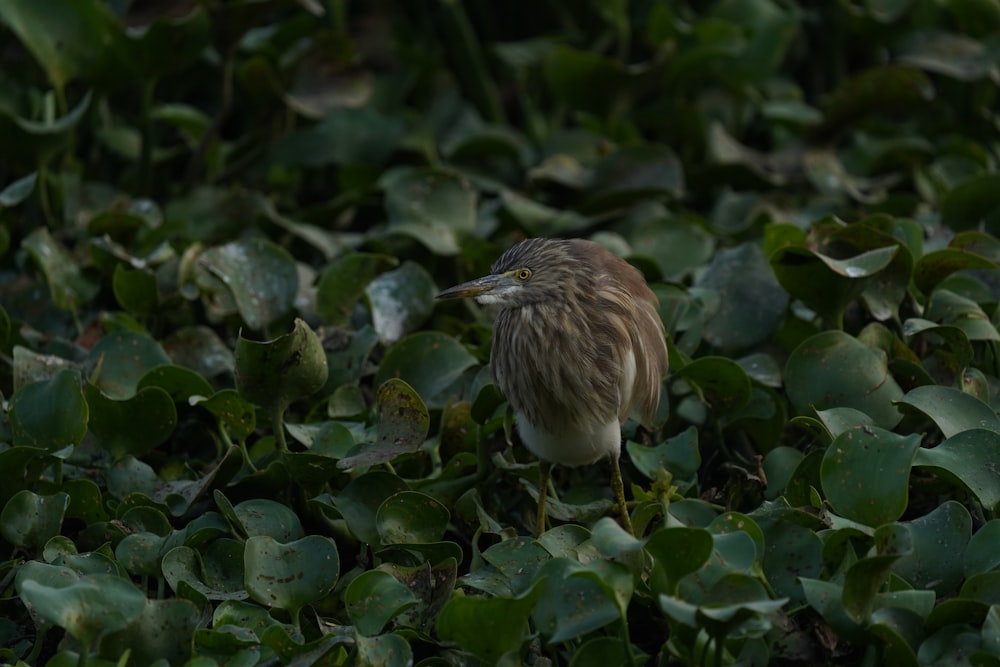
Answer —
237 429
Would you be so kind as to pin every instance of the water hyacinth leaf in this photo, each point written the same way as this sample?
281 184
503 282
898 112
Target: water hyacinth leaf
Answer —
200 349
73 40
792 551
824 283
583 80
87 607
611 539
234 412
430 362
579 598
119 360
49 414
390 650
290 576
487 627
434 206
277 372
180 382
939 541
183 37
971 202
216 576
18 191
260 277
518 559
359 501
343 282
833 369
971 458
952 410
937 265
400 300
132 426
343 137
135 290
30 520
69 287
677 551
141 553
779 465
678 455
865 474
401 426
163 631
411 517
840 420
374 598
722 383
32 366
634 173
262 516
541 220
751 302
981 554
677 244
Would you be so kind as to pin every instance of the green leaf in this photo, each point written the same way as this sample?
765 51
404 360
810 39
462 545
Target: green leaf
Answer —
259 276
939 543
677 551
816 377
87 607
69 287
434 206
135 290
374 598
487 627
401 300
343 282
751 302
18 191
580 598
120 360
971 202
73 40
723 383
358 502
972 458
866 472
49 414
428 361
163 631
290 576
401 427
29 520
134 425
411 517
981 554
277 372
678 455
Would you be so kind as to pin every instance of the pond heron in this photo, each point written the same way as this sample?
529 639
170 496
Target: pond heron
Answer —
577 347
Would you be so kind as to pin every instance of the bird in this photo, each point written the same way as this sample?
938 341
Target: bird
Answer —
578 347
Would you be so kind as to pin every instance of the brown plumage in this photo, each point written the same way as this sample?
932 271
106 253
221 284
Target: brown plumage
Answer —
577 347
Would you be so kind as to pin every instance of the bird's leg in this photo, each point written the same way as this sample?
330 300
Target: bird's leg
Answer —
618 488
544 472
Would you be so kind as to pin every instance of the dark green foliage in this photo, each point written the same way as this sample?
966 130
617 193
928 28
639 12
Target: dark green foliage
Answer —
237 429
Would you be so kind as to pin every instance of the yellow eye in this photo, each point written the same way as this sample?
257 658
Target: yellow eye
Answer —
523 274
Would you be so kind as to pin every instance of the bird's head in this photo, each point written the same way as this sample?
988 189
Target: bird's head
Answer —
532 271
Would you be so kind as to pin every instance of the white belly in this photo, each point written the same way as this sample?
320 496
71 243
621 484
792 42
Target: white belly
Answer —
571 446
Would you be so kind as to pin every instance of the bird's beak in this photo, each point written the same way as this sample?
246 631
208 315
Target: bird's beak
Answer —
473 288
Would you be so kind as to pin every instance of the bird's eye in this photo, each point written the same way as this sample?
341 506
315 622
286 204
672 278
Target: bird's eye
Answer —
523 274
